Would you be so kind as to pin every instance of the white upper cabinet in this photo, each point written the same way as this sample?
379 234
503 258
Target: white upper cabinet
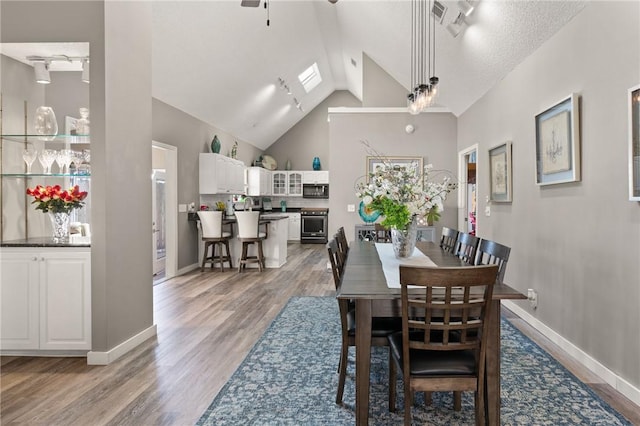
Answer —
278 183
258 181
294 184
220 174
315 176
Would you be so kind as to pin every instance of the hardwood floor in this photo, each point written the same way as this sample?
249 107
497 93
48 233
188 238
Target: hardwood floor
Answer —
205 329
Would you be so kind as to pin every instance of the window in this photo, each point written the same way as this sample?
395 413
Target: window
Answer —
310 77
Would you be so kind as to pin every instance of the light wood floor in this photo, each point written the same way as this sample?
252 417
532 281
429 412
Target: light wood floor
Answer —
205 329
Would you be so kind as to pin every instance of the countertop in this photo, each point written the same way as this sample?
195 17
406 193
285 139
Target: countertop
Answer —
41 242
272 215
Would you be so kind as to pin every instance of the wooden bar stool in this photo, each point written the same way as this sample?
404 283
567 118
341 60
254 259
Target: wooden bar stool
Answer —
213 236
249 234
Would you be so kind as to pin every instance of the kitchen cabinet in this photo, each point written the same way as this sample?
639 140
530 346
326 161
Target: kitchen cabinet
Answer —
45 298
315 176
220 174
294 226
258 181
286 183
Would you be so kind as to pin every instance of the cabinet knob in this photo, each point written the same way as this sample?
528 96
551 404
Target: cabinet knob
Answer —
34 258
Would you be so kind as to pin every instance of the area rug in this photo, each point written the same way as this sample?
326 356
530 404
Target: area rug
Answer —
290 378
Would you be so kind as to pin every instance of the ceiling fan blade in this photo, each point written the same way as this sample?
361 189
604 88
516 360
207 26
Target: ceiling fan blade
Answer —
250 3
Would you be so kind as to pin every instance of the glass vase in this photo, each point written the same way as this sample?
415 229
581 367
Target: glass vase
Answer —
404 240
46 123
60 225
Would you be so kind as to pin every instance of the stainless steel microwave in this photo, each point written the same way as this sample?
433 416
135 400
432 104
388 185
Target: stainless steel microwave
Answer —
315 190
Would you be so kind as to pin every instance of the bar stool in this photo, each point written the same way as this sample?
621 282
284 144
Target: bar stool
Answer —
213 236
249 234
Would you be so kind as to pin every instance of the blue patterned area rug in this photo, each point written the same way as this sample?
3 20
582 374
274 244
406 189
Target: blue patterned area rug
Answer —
290 378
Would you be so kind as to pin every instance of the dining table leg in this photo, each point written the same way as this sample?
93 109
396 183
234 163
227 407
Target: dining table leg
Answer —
492 389
363 359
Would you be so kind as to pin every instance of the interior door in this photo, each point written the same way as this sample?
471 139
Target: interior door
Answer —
158 194
467 201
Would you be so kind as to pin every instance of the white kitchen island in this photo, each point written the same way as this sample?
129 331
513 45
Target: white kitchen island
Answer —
274 246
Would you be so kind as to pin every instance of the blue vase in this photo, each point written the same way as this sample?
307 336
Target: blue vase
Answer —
215 145
316 163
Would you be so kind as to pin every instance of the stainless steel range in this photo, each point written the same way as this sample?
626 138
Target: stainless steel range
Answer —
314 225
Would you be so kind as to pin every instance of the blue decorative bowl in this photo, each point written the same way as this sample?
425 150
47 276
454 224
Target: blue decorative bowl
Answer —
367 214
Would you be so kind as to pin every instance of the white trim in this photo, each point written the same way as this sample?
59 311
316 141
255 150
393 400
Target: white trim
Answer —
617 382
462 189
385 110
105 358
171 163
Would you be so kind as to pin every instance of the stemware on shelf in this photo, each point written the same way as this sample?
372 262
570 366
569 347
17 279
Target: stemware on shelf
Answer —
46 158
63 158
29 155
46 123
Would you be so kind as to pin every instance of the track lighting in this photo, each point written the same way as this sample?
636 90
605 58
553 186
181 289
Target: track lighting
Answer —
466 7
455 27
42 72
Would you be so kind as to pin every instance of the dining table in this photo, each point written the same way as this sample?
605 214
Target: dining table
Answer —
364 282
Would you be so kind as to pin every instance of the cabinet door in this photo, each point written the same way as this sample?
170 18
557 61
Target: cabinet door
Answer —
208 179
237 173
65 300
19 295
265 182
294 226
315 176
222 175
294 184
279 183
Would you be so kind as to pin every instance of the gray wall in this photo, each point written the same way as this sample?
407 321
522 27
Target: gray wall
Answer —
310 136
379 89
577 244
66 94
434 139
191 136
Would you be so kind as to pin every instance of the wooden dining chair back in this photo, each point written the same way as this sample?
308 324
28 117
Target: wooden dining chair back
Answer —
466 247
214 237
442 343
381 328
448 239
382 234
343 245
249 234
492 253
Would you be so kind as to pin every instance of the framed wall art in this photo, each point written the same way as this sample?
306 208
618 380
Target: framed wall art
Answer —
634 143
558 143
374 162
500 173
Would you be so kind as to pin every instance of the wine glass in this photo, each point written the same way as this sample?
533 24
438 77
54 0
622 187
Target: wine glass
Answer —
29 155
46 159
63 158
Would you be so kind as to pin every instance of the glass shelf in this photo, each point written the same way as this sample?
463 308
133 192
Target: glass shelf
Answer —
50 175
72 139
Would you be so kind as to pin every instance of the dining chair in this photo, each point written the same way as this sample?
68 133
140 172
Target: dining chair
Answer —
213 236
382 234
492 253
249 234
448 239
381 328
343 245
466 247
442 344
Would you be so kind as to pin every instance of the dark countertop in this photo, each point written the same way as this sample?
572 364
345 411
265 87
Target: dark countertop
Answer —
275 214
41 242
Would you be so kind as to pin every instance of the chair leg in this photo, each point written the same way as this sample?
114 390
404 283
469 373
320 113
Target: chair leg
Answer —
457 400
392 383
342 371
220 257
408 400
260 256
226 244
243 257
204 257
428 398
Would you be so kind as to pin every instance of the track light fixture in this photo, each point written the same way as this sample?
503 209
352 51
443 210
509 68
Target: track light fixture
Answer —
466 7
41 66
456 26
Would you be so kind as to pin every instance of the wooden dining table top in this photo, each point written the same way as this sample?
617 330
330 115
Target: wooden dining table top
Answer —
364 277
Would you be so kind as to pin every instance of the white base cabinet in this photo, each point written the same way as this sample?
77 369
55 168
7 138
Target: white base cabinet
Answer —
294 226
45 299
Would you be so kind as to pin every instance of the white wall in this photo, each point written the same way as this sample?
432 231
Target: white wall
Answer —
577 244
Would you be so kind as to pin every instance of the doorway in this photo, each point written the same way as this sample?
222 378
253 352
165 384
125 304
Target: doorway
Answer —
164 220
467 200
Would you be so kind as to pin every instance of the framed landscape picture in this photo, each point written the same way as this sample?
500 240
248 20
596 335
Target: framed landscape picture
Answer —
634 143
558 143
374 162
500 173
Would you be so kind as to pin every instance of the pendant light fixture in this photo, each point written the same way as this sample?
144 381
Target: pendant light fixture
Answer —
424 82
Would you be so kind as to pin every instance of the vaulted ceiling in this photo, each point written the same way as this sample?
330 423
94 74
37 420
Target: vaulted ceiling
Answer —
220 62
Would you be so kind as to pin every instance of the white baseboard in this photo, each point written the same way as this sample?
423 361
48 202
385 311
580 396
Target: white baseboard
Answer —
617 382
186 269
105 358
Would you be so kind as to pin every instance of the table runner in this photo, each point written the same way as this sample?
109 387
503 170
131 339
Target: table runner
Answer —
391 264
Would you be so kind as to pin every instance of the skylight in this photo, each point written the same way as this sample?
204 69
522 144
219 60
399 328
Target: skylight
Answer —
310 77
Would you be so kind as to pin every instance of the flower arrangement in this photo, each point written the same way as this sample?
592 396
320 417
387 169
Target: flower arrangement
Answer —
55 200
402 192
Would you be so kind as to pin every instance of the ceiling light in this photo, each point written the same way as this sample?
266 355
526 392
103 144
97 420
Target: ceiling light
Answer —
85 70
424 82
466 7
456 26
42 72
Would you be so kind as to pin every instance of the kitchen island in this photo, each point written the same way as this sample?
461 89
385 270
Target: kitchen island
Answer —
274 246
